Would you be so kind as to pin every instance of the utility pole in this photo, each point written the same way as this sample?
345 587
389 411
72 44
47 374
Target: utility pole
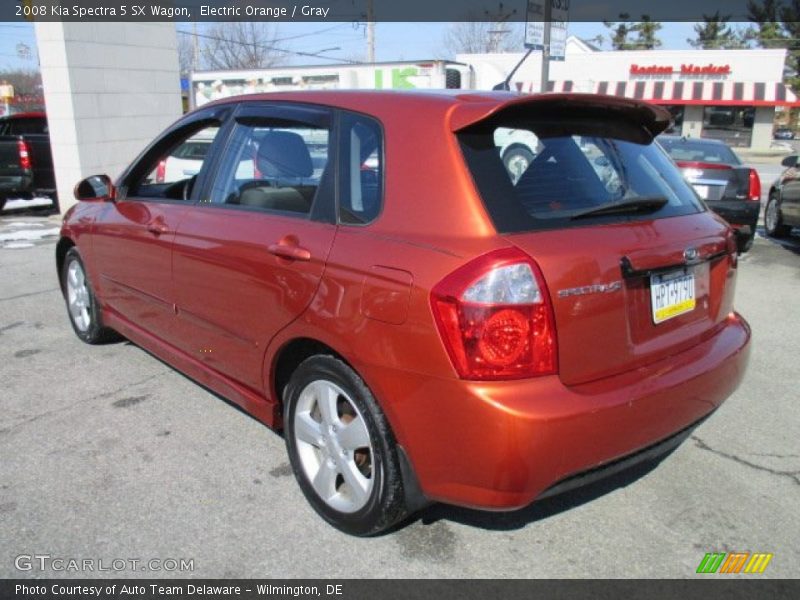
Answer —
370 32
499 19
195 48
546 47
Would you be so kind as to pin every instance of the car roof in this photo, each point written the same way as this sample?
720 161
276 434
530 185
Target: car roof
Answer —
25 115
462 108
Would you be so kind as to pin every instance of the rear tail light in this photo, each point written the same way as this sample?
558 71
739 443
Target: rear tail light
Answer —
24 155
695 164
754 188
161 171
495 318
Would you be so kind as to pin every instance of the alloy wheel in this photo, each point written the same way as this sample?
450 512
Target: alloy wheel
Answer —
334 446
78 298
771 215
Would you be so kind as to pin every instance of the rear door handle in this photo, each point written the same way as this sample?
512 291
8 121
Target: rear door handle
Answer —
289 252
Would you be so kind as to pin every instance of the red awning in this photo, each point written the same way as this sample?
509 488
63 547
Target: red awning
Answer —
725 93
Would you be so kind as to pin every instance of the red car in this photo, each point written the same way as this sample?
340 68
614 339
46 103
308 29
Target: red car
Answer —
360 270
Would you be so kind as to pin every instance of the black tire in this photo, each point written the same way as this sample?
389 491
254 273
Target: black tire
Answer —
385 503
95 332
745 244
774 226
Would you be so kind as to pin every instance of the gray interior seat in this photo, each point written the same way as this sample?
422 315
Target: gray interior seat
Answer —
282 157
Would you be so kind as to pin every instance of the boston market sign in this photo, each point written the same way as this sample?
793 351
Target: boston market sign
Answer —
685 70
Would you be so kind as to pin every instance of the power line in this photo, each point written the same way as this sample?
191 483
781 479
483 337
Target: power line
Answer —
268 47
318 32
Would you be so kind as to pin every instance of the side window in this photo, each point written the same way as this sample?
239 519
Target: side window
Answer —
273 165
362 170
170 170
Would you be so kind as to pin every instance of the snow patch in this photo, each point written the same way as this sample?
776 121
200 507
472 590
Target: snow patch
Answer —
28 234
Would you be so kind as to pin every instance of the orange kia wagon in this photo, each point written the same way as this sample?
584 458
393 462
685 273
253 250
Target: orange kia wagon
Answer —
364 271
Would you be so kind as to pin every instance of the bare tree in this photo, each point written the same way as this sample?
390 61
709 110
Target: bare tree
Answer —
476 37
241 45
186 53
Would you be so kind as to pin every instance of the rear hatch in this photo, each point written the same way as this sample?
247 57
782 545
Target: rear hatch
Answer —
636 267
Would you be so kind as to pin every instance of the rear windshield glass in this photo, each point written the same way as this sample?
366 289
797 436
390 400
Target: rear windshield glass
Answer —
552 175
23 126
698 151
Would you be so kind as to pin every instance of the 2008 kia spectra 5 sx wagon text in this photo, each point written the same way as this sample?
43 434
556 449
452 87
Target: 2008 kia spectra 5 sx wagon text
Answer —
361 270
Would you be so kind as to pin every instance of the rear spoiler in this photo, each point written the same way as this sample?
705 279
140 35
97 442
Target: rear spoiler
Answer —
478 108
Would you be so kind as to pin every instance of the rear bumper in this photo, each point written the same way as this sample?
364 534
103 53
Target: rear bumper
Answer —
739 213
15 185
501 445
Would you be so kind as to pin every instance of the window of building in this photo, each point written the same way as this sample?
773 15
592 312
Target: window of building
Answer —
676 110
730 124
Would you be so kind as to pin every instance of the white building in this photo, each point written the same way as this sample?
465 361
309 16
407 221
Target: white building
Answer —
723 94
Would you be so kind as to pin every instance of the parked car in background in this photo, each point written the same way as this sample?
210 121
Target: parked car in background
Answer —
783 203
26 164
784 133
436 330
517 149
730 188
185 160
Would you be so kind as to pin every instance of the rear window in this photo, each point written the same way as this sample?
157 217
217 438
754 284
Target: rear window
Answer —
699 151
546 175
23 126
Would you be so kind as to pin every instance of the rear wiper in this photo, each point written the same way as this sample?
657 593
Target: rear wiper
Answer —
632 206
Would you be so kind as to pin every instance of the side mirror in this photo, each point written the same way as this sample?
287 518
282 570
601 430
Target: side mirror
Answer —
790 161
97 188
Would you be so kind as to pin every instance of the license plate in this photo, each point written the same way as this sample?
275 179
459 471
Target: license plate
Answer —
702 191
671 294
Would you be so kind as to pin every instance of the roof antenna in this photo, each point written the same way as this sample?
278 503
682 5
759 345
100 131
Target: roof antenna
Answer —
506 85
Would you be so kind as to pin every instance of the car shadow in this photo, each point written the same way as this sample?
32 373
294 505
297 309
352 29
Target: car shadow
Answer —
231 403
791 242
483 519
539 510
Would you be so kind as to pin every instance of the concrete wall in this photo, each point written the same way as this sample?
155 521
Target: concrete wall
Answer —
109 88
692 121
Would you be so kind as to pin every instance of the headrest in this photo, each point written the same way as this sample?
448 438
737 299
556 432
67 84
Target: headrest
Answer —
284 154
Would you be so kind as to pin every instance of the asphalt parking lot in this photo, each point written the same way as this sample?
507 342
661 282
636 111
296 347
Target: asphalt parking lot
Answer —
107 453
